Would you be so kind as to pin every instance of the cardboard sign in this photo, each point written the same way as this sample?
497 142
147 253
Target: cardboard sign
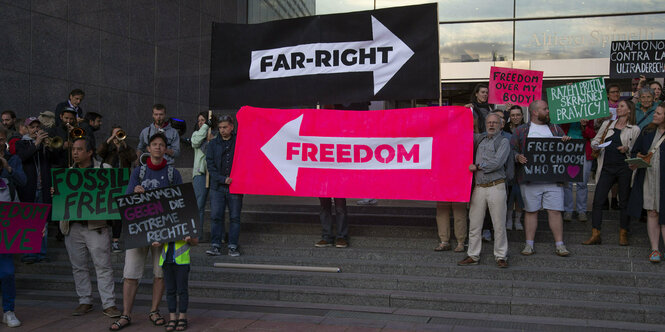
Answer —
418 153
383 54
21 226
515 86
577 101
632 58
87 193
553 160
160 215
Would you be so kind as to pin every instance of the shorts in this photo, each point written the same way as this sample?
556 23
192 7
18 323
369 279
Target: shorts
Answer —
536 196
135 262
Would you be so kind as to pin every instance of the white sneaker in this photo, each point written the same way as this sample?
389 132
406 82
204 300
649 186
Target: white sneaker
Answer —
10 319
528 250
561 251
518 225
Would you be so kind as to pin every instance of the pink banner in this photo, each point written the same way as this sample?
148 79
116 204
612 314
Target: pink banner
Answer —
515 86
417 153
21 227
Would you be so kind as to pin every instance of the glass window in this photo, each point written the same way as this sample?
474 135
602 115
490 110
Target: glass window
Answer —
324 7
460 10
582 37
549 8
472 42
259 11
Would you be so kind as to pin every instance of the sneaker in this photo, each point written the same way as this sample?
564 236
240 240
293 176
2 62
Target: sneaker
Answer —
115 247
112 312
28 259
214 251
233 252
368 201
528 250
568 216
10 319
487 235
582 217
341 243
655 257
509 224
501 263
562 251
82 309
518 226
323 244
467 261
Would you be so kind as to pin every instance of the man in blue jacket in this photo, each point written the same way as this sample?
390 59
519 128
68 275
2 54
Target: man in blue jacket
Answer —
219 158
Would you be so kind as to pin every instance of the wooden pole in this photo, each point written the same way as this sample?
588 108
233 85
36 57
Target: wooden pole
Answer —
209 130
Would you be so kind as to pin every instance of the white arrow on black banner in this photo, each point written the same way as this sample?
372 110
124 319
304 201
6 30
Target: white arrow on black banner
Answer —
384 56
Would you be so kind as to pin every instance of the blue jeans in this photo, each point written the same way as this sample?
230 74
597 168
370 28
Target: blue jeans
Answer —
201 193
327 219
220 198
176 279
582 191
42 254
7 281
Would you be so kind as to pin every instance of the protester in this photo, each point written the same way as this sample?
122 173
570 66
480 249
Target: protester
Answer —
47 119
537 195
645 108
155 174
219 159
89 238
67 124
443 210
74 102
613 98
328 239
160 125
116 152
647 188
612 168
657 91
91 123
201 136
489 192
11 176
9 122
175 262
479 105
515 202
37 161
583 129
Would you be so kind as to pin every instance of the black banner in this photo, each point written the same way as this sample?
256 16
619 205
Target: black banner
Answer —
160 215
384 54
632 58
553 160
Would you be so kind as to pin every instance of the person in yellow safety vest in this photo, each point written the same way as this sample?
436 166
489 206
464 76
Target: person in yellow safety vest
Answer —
175 264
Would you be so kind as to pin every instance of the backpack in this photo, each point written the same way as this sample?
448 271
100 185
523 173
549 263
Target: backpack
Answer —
169 172
509 165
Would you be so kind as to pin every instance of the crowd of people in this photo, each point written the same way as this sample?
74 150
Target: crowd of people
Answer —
65 138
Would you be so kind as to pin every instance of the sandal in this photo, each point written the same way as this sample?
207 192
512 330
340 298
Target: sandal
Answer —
182 325
117 326
459 248
170 326
156 318
443 246
655 256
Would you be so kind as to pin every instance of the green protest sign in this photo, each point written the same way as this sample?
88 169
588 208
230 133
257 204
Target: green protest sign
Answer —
577 101
87 193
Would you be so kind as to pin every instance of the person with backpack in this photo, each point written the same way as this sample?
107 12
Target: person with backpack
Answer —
154 174
489 192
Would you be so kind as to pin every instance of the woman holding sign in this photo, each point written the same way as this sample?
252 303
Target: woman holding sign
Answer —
614 139
648 181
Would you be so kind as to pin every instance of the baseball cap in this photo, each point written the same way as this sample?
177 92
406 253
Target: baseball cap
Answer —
30 120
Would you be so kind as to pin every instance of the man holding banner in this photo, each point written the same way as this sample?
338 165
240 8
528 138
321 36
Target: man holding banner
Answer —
154 174
537 195
91 238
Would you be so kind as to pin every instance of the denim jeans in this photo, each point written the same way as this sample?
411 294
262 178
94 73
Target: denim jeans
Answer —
220 198
7 282
176 279
201 193
340 217
582 191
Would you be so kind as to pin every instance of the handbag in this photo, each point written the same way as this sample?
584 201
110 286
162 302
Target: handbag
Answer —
596 153
647 157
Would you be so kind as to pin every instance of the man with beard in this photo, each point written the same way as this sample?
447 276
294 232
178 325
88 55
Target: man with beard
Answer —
73 102
537 195
9 122
160 125
67 123
91 123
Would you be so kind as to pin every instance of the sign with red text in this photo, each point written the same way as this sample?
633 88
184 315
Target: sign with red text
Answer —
515 86
417 153
21 227
159 215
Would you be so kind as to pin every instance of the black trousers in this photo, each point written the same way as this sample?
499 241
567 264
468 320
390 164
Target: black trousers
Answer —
176 279
608 176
